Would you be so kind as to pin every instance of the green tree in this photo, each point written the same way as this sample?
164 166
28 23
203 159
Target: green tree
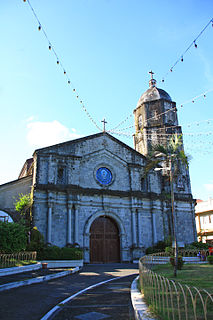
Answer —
23 205
13 237
171 156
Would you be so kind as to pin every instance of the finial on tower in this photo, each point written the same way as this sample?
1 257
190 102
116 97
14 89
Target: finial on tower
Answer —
152 82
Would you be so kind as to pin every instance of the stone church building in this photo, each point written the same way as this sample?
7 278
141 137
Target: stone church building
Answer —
93 191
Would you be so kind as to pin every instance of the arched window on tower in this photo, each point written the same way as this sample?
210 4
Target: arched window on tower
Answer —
140 122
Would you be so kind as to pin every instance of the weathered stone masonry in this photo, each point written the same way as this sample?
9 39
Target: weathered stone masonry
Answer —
77 182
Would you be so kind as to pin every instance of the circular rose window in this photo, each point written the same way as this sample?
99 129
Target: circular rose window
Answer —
104 175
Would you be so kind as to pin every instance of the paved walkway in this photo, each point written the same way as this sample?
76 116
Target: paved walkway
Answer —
108 301
34 301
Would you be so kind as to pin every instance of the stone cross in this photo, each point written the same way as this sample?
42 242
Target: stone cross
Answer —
104 124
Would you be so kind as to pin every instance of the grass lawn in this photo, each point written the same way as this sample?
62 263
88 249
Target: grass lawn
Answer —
169 302
197 275
17 263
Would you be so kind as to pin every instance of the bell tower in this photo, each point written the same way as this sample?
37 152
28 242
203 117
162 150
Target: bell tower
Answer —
155 118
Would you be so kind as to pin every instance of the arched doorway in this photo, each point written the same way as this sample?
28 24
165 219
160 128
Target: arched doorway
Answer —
5 217
104 241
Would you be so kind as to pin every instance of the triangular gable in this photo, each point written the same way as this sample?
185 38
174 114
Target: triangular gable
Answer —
74 142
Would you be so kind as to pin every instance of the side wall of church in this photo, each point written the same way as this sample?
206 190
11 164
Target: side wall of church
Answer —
9 193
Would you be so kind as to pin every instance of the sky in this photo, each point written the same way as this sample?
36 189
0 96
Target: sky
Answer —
107 48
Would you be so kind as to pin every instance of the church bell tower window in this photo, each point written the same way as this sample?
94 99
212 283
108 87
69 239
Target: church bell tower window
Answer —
140 121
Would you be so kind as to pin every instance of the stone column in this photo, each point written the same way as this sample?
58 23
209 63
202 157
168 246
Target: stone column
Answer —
133 229
49 223
69 224
139 229
76 224
50 202
154 227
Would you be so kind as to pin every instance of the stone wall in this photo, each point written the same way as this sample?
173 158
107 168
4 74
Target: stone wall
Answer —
9 193
68 197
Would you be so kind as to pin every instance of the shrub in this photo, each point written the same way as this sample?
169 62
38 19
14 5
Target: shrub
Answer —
23 203
169 250
36 241
197 245
56 253
13 237
158 247
180 262
210 259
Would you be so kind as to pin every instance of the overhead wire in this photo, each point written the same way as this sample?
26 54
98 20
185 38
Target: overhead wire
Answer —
193 43
181 105
58 61
174 109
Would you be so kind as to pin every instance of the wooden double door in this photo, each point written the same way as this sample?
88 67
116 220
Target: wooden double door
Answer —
104 241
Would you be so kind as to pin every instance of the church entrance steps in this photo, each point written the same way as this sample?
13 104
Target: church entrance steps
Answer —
32 277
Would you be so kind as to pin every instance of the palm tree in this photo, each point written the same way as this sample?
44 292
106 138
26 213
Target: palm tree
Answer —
171 156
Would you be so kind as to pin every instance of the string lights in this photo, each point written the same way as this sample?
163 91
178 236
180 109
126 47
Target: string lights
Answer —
204 94
59 62
121 132
122 122
193 43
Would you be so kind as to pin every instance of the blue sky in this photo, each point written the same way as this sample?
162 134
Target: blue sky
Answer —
107 48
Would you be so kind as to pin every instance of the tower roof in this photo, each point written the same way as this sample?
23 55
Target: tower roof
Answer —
153 93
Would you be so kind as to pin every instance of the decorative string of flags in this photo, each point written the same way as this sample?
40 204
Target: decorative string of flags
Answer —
59 62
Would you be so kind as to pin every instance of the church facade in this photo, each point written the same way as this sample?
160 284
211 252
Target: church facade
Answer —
93 192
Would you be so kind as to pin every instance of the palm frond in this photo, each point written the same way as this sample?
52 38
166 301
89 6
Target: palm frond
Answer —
175 143
159 148
151 164
183 158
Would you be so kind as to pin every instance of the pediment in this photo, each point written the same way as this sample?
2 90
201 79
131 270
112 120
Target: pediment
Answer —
94 144
103 154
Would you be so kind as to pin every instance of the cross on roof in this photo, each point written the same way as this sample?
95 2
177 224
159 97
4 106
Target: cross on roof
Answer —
104 124
151 73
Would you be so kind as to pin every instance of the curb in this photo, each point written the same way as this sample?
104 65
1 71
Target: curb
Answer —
140 308
27 282
15 270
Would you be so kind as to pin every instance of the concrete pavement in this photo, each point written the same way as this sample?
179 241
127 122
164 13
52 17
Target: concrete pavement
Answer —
34 301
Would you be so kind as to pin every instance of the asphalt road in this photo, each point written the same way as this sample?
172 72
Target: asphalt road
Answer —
34 301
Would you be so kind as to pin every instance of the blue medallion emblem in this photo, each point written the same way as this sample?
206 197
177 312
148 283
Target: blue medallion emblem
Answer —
104 175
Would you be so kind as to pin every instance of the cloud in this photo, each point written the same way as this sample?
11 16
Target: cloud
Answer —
43 134
31 118
209 187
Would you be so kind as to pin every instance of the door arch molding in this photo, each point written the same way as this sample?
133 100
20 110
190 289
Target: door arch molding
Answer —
120 225
104 241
